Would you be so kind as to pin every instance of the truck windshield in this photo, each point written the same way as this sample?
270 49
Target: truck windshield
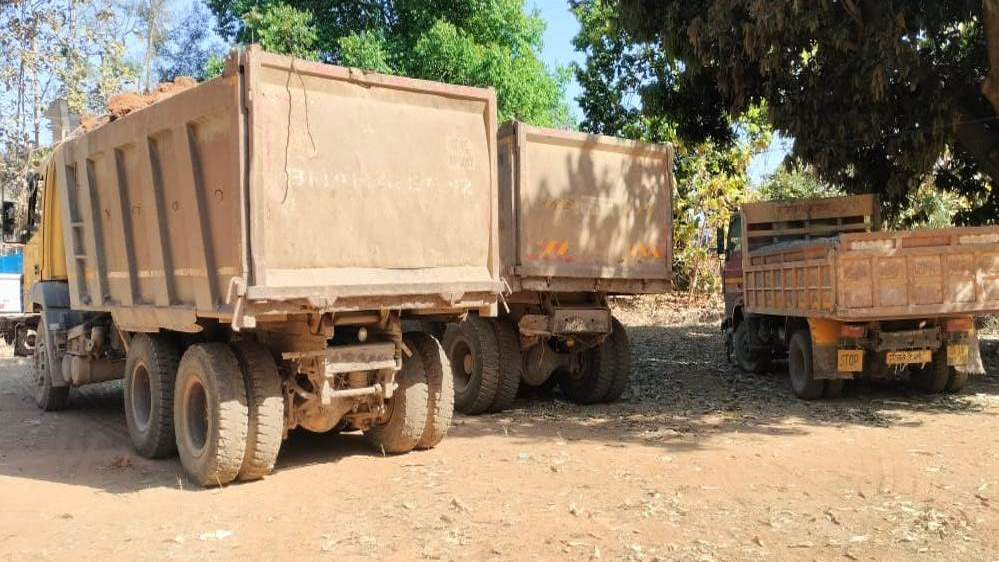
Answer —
734 235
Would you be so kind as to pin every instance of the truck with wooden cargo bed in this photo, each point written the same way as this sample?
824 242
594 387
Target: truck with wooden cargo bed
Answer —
817 281
582 218
243 255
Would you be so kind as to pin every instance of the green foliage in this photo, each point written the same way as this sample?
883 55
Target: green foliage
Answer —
710 170
874 93
795 182
280 28
486 43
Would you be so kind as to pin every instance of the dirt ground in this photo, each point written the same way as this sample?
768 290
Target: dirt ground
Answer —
699 462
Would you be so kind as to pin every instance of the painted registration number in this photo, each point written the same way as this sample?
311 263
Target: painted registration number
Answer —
957 355
909 357
850 360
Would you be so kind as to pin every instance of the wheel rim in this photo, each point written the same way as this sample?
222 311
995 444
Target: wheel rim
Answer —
140 392
463 365
41 369
196 416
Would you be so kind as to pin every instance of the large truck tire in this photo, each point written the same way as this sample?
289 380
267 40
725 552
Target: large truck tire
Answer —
265 407
440 389
21 345
620 347
511 364
800 368
150 376
210 414
934 377
407 409
957 381
49 398
473 352
590 383
750 361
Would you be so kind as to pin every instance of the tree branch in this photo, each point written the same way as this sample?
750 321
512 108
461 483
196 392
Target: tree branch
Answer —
980 140
990 86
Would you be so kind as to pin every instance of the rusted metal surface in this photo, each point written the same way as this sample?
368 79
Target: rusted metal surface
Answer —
284 185
877 275
584 212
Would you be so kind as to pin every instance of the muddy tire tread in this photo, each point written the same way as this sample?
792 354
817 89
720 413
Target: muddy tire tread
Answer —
440 389
162 357
408 418
265 407
221 372
511 365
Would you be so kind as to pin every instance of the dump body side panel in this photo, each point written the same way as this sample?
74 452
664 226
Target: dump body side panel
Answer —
585 209
150 209
363 185
879 275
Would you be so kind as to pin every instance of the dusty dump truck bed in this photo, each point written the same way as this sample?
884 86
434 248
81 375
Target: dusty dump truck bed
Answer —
582 211
841 272
284 185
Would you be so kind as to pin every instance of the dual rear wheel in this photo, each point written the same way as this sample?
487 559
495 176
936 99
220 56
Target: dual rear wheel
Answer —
220 407
487 366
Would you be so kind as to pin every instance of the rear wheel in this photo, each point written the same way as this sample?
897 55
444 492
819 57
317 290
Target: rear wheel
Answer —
748 359
591 377
210 414
440 389
48 397
511 365
933 377
834 388
958 379
473 352
621 349
150 375
23 342
799 367
265 407
402 428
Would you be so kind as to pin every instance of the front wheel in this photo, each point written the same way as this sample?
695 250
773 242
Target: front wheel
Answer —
748 359
48 397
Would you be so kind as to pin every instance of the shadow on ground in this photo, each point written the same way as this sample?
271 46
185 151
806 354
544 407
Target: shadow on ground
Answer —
683 394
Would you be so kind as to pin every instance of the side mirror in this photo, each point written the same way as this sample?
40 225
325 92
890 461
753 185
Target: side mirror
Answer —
8 222
720 240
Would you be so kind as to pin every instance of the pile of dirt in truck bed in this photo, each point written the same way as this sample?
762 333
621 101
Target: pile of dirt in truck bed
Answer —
124 103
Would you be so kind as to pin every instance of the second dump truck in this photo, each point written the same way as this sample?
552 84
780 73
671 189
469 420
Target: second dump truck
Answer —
819 282
582 217
243 254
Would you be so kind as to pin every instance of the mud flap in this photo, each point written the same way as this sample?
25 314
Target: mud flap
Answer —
824 361
974 366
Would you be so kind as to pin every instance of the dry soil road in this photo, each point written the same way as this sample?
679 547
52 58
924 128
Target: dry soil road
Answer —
698 463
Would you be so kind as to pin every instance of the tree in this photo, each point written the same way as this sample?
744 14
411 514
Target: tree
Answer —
154 19
472 42
874 93
795 181
711 171
191 49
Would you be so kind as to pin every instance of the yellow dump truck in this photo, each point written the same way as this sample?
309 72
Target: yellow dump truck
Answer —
582 217
819 282
244 252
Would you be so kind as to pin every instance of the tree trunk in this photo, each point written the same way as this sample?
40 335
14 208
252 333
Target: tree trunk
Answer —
990 86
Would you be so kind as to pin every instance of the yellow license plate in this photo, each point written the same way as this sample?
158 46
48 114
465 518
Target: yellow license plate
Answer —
957 355
850 360
909 357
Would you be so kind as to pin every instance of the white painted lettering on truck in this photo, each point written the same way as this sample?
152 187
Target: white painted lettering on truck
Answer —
322 179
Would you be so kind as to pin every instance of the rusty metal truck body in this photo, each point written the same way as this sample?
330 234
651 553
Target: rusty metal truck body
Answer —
581 217
818 280
285 217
